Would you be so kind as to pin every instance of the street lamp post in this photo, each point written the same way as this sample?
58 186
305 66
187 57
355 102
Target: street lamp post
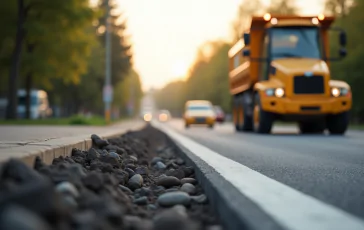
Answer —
107 91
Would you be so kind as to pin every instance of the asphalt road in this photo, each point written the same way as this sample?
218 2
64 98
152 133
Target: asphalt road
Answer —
329 168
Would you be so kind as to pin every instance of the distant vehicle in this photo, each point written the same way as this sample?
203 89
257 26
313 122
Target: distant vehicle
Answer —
164 115
220 115
199 112
39 105
280 71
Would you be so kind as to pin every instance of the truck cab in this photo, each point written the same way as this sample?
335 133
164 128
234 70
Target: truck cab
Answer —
280 71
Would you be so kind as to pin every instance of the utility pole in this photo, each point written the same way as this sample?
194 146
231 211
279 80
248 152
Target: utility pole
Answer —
107 91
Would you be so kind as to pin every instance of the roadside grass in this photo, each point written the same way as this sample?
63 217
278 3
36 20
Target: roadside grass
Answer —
73 120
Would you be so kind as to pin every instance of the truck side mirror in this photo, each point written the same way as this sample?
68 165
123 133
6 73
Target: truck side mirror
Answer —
342 52
342 38
246 38
246 53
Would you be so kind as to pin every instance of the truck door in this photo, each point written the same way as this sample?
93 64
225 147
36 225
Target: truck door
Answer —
264 65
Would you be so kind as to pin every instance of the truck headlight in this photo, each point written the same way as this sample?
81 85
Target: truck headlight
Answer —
337 92
278 92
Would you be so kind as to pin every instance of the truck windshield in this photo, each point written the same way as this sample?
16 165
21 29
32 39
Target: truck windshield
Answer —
299 42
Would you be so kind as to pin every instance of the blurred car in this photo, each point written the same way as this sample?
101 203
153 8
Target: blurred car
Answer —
199 112
220 115
164 115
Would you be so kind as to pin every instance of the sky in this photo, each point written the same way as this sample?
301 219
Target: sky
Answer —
166 34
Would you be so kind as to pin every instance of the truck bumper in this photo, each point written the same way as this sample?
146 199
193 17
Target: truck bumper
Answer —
287 106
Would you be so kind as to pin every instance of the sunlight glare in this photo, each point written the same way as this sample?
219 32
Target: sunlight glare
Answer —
180 69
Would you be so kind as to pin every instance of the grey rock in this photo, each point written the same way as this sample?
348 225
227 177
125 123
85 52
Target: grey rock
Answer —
122 176
67 188
130 172
201 199
151 207
77 170
168 181
135 182
172 190
131 166
189 180
188 188
70 202
174 198
134 158
92 154
188 170
125 189
114 155
180 161
16 217
214 227
142 170
156 159
93 181
137 223
96 140
160 165
110 160
85 219
141 200
172 219
110 179
180 209
179 173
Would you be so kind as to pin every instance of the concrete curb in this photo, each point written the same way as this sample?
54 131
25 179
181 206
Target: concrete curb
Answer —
235 211
54 148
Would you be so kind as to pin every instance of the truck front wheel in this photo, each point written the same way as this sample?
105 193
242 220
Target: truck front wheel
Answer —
263 121
338 123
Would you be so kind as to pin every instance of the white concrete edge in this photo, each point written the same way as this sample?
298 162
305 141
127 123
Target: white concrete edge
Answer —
48 150
291 209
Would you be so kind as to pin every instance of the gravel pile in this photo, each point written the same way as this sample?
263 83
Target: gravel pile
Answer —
134 182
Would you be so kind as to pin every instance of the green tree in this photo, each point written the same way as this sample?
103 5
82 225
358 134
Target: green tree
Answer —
282 7
243 18
351 68
50 41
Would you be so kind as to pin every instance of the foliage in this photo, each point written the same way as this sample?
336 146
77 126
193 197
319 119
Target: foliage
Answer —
282 7
64 51
351 68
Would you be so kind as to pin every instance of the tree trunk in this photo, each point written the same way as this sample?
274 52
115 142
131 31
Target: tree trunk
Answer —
28 86
11 112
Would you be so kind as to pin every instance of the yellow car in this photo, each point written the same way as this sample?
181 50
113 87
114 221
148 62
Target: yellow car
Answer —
199 112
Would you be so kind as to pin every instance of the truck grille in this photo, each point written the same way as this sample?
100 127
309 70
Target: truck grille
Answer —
308 85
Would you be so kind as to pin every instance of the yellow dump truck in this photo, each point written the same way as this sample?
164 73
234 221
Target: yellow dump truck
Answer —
279 71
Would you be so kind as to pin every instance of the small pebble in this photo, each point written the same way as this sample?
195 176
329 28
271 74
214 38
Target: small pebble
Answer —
67 188
160 165
188 188
174 198
125 189
135 182
155 160
168 181
189 180
141 200
201 199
